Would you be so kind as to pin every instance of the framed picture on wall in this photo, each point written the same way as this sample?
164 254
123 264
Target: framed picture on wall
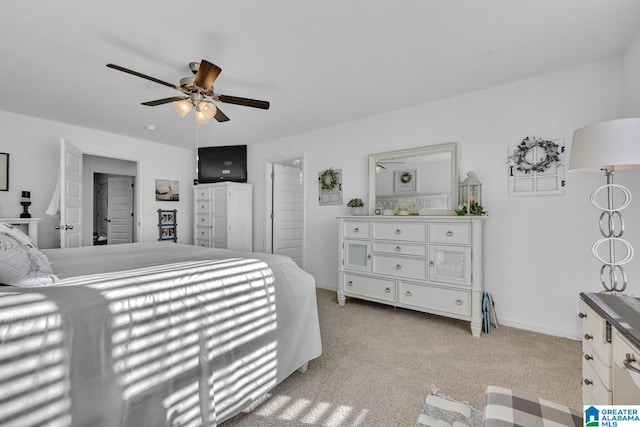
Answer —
405 181
167 225
167 190
4 171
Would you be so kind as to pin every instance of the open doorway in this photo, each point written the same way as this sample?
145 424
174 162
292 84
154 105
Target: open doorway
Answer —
109 210
113 213
285 208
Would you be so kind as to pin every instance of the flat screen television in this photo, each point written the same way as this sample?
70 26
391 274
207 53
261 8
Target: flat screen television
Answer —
223 163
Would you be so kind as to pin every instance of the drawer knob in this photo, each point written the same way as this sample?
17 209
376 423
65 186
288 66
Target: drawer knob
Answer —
202 220
588 357
588 337
449 233
356 230
368 256
629 359
408 293
588 381
431 263
398 231
398 266
349 283
202 207
582 315
398 248
387 290
458 302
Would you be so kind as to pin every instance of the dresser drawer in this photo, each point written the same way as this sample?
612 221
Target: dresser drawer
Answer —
355 229
626 360
203 220
205 243
203 233
373 287
203 206
413 268
400 231
452 301
597 365
594 330
594 391
450 233
400 248
202 194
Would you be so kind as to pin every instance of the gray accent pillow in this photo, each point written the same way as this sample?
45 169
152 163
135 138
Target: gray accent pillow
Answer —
21 263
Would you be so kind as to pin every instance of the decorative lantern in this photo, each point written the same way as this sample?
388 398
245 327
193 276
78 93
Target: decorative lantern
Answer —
470 195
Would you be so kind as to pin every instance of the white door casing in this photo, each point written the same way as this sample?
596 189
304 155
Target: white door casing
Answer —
70 195
120 210
288 212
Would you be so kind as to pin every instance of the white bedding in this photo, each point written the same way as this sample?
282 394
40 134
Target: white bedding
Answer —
152 334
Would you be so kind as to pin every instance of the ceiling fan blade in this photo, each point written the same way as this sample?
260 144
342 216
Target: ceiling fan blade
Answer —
206 75
255 103
144 76
164 101
220 116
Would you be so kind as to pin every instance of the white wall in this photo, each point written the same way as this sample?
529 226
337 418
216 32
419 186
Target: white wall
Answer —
33 145
631 79
538 255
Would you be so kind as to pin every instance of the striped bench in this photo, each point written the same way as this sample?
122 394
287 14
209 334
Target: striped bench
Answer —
506 407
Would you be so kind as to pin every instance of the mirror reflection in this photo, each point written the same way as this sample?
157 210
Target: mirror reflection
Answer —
418 181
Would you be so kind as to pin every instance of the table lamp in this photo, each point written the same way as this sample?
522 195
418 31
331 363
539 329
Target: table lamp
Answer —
609 147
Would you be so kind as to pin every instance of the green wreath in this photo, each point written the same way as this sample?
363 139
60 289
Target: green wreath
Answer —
551 155
328 179
406 177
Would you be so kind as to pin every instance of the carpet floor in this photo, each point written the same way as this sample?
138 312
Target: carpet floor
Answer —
379 363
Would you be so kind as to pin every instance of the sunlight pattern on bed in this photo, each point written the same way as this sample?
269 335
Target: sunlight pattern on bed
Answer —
185 324
33 363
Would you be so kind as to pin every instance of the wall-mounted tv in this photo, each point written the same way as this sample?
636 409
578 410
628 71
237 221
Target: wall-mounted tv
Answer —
223 163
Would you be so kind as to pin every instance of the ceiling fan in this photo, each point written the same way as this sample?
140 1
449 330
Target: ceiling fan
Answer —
198 92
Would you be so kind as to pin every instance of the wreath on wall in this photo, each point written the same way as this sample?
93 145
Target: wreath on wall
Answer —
406 177
526 158
328 179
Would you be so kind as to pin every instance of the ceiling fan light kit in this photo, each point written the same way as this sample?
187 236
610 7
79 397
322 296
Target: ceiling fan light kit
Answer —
198 92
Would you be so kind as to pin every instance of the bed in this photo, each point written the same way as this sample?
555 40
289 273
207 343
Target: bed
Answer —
151 334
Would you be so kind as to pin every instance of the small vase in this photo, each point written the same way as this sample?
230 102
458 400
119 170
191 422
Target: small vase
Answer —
357 210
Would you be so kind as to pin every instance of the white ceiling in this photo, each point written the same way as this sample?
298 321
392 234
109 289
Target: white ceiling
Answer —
319 62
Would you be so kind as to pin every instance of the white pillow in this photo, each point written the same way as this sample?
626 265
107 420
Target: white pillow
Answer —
23 264
15 232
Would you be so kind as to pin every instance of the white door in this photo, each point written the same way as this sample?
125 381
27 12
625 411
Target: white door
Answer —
103 214
288 213
70 195
120 210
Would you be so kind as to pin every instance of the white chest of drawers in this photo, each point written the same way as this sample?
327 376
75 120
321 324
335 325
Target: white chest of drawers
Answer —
223 216
611 349
429 264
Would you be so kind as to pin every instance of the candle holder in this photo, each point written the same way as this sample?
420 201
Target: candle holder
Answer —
25 202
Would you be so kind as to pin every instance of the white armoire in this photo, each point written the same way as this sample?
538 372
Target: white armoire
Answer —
223 216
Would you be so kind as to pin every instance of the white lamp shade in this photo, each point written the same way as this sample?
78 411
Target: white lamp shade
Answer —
182 107
612 143
205 112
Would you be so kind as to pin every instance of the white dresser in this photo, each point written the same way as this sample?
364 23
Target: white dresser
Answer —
223 216
432 264
611 349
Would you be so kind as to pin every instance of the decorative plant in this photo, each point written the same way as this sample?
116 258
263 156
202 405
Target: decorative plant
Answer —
328 179
355 203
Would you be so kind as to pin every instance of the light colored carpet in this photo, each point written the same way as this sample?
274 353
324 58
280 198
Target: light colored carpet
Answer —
379 362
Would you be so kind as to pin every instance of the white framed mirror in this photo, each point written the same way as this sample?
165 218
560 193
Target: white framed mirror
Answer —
415 181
